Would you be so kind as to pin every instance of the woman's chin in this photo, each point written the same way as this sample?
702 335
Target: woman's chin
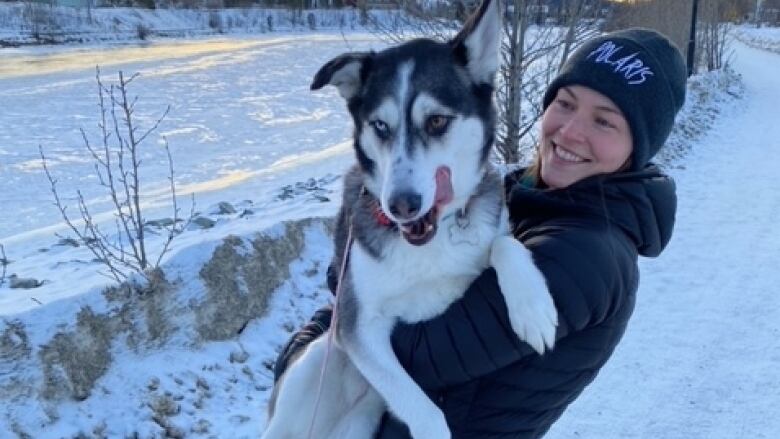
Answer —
558 178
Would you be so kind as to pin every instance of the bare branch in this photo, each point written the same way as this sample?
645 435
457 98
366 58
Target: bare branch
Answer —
99 244
127 218
81 235
174 229
154 127
134 160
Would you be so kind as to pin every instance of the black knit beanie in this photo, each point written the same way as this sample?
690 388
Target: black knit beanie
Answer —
642 72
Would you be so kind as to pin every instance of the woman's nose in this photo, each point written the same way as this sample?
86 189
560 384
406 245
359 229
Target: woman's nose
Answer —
573 128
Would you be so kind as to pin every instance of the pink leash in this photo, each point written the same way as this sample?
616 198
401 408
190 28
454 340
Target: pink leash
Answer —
331 331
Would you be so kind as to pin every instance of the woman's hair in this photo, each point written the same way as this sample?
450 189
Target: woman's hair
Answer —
533 173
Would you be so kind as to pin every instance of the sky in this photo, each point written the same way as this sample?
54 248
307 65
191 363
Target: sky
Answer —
699 359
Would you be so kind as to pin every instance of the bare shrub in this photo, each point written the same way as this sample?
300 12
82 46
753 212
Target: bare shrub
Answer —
117 164
142 31
3 265
215 21
39 18
148 4
714 34
311 20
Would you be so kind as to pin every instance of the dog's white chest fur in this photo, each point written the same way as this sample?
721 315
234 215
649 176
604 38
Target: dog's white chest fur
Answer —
415 283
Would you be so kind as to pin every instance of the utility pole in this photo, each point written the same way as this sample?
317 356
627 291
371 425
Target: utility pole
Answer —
757 14
692 39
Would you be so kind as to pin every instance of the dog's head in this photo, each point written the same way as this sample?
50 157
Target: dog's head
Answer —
424 119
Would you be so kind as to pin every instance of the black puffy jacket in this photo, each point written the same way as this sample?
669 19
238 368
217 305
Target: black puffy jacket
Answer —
585 239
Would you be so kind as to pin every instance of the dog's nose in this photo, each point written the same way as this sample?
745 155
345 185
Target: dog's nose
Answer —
405 205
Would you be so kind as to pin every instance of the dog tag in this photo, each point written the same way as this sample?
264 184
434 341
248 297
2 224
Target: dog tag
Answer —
461 231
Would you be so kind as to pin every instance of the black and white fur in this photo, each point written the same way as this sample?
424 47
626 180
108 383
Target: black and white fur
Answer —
394 96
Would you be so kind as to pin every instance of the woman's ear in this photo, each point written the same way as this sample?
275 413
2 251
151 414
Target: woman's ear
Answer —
345 72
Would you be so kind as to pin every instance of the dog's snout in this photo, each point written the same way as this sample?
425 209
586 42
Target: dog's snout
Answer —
405 205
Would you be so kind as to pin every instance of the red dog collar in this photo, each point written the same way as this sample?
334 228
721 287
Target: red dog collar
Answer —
376 210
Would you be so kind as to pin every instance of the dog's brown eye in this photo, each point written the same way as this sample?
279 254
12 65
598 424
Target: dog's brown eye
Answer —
436 125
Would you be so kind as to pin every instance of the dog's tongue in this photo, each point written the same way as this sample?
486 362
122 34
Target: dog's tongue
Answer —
443 186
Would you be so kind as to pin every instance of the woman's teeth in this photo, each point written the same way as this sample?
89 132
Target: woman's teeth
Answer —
566 155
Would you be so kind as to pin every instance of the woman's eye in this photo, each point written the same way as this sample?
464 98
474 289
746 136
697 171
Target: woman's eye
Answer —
566 105
604 123
436 125
380 128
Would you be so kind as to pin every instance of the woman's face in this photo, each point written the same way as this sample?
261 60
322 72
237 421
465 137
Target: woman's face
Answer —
583 134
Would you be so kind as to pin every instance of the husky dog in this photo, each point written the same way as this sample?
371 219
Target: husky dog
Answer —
427 215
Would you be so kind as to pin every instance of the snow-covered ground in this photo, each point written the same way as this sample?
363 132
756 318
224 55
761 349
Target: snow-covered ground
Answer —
760 37
699 359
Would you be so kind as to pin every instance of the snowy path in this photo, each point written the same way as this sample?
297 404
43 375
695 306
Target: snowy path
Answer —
701 357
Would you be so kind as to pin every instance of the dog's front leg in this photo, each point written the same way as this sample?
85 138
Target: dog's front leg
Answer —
294 406
363 418
370 350
531 309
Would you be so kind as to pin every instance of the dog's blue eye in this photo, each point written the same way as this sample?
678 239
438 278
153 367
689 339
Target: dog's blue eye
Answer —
380 128
437 125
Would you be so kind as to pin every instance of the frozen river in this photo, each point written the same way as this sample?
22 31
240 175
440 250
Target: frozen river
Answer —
241 115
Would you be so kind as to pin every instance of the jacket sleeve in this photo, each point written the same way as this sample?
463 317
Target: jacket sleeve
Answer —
474 337
319 323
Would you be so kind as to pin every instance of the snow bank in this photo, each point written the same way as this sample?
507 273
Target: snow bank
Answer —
767 38
24 23
708 94
151 359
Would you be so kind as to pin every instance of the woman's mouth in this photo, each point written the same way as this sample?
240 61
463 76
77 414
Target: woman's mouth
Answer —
566 155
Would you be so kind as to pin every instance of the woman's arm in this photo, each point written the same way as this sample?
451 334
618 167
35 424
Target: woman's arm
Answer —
474 337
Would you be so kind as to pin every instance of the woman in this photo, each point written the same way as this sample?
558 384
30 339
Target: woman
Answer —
587 207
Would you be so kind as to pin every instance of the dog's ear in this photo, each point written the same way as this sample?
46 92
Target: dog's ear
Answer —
345 72
477 45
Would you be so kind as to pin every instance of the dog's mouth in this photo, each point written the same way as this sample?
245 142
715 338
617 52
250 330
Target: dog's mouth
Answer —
421 231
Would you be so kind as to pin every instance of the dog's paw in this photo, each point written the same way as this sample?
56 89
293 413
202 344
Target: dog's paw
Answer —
533 317
531 308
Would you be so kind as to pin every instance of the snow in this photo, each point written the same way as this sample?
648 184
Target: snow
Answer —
760 37
699 358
